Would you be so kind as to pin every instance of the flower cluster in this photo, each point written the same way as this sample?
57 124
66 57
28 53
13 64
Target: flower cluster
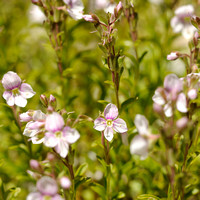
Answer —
180 24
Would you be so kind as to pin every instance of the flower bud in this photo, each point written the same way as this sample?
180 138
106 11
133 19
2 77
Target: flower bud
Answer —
182 123
173 56
52 101
157 108
91 18
51 157
26 117
44 100
196 37
34 164
118 9
192 94
65 182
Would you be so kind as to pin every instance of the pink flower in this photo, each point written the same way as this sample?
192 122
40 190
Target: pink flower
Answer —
16 91
172 56
110 122
75 8
65 182
140 143
47 189
58 135
35 127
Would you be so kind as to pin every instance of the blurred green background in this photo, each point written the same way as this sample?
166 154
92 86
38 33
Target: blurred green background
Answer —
25 49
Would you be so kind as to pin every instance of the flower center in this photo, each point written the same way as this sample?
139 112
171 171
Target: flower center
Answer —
15 91
58 134
109 123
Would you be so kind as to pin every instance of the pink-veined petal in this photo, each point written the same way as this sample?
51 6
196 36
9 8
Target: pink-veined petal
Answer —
173 83
36 125
62 148
142 124
119 125
139 146
8 96
71 135
57 197
30 132
36 140
38 115
20 101
26 91
25 117
50 140
108 133
11 80
54 122
99 124
181 103
111 111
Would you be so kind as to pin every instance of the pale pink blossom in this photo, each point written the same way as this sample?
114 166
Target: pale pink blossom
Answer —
172 56
16 92
65 182
75 8
110 122
180 24
172 92
58 135
140 143
35 126
47 189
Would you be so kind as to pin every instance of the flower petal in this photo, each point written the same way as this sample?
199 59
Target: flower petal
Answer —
158 98
181 103
173 83
8 96
119 125
99 124
142 124
54 122
50 140
111 111
38 115
20 101
168 110
139 146
11 80
36 140
108 133
47 186
30 132
71 135
62 148
26 91
25 117
34 196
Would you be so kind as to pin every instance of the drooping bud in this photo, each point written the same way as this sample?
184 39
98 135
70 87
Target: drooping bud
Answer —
173 56
65 182
44 100
35 165
192 94
91 18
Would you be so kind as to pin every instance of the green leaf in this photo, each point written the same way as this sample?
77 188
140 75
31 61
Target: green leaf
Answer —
99 189
81 170
102 161
103 101
147 197
80 180
127 102
109 82
142 56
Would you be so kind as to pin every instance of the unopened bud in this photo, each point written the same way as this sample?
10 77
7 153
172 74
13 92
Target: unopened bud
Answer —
34 164
44 100
192 94
52 101
157 108
91 18
51 157
172 56
65 182
36 2
118 9
182 123
196 37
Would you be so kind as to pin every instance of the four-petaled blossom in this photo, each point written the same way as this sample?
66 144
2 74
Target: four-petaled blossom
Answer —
110 123
16 91
179 24
35 126
172 92
47 189
58 135
75 8
140 143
